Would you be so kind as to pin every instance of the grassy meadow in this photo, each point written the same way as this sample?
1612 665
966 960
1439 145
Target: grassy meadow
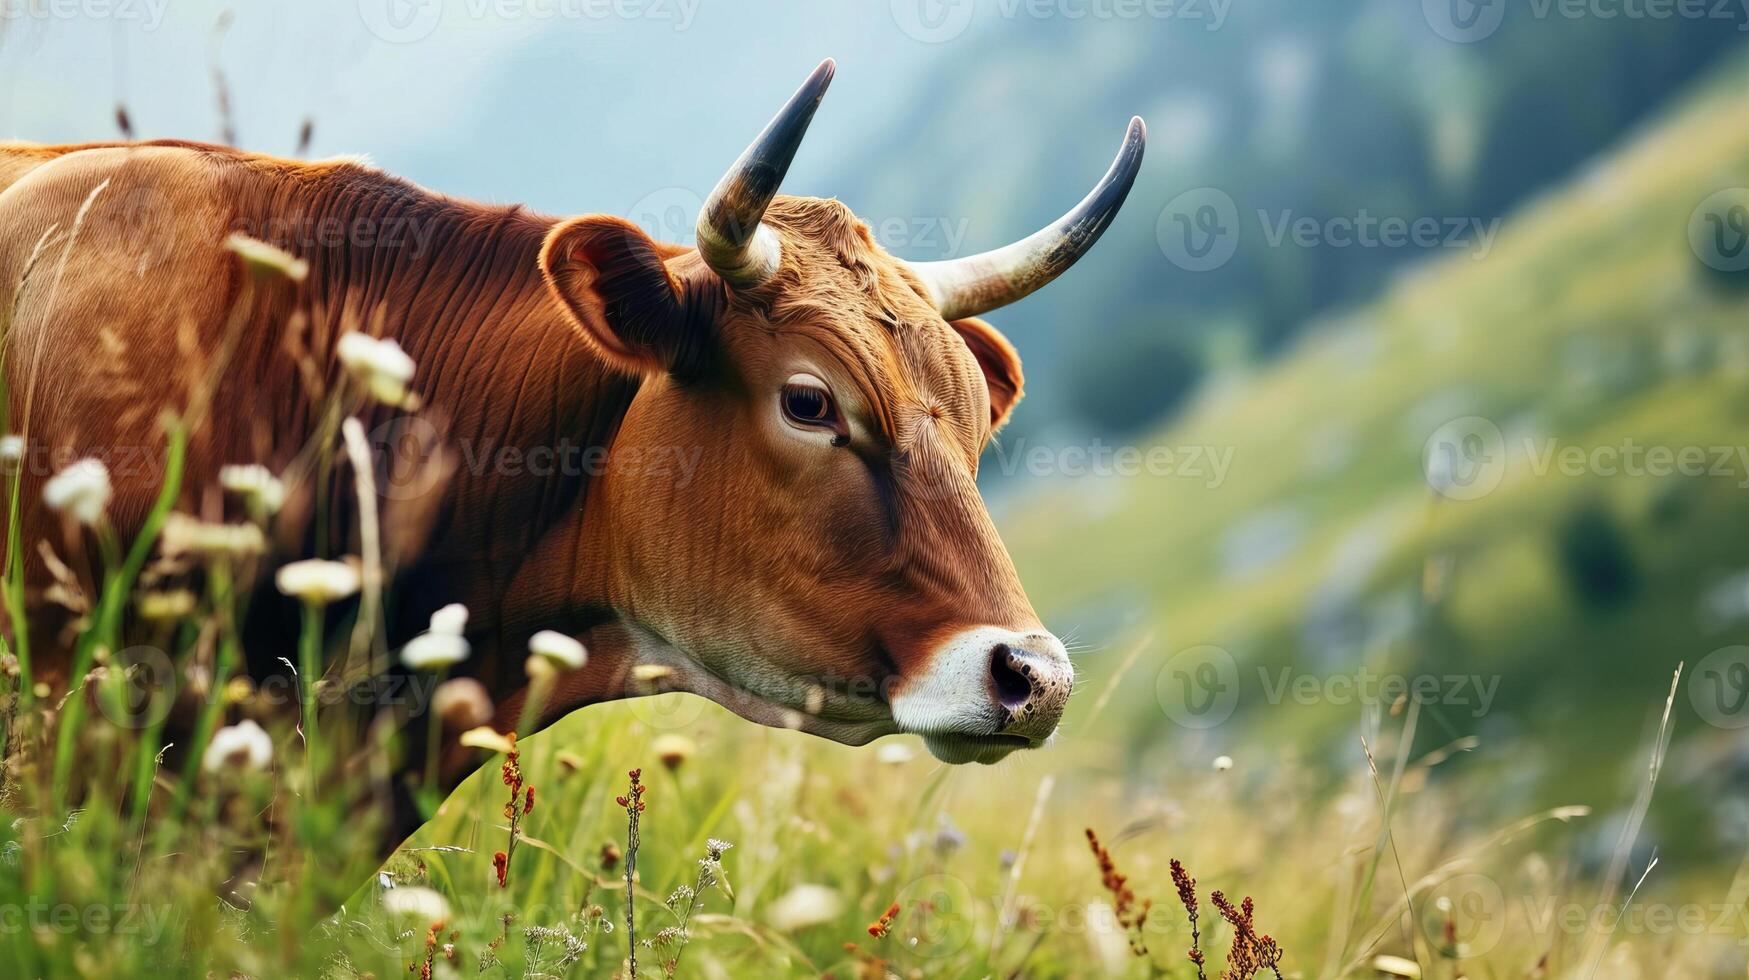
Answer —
1559 810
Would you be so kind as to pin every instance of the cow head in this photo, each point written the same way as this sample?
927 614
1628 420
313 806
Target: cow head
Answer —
827 554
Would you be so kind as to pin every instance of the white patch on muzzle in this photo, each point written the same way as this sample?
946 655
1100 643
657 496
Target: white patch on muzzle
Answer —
986 692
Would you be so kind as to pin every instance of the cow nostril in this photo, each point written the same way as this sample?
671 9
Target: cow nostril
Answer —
1013 686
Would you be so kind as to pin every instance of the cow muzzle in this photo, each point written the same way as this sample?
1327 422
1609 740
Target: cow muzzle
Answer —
987 691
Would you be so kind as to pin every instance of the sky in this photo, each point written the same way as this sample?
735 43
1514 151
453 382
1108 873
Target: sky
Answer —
565 105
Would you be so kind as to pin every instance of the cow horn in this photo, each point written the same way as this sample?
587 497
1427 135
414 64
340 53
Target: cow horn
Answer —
730 237
979 283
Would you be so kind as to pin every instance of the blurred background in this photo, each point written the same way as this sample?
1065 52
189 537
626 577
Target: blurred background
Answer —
1415 369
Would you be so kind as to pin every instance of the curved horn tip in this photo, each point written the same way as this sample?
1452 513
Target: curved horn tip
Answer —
1135 138
819 78
980 283
730 237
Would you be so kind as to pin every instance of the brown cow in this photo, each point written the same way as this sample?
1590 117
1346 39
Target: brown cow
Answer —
814 553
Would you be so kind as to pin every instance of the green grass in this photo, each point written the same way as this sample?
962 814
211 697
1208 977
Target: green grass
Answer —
1436 848
1591 322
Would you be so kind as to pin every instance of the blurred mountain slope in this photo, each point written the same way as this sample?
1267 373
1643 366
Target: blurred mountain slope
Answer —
1309 109
1576 584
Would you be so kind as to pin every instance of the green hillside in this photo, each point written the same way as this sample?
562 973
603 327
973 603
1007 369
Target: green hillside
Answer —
1591 323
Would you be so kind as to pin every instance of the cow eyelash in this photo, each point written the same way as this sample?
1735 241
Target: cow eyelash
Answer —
810 405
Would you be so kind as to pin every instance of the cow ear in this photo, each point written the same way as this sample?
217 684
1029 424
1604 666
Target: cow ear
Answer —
1000 362
622 299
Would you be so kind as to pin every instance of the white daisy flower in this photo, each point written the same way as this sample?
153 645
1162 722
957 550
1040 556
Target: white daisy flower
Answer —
81 491
381 365
316 581
451 619
244 745
430 651
562 650
255 484
418 903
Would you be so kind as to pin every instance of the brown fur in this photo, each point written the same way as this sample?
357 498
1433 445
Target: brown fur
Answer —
775 556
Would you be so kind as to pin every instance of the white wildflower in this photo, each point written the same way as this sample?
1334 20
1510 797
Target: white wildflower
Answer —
184 534
81 490
160 607
244 745
562 650
429 651
255 484
804 905
462 703
381 365
1223 763
451 619
894 753
415 902
11 449
316 581
267 260
1396 966
486 738
673 749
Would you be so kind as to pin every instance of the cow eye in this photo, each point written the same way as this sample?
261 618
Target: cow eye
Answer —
807 402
